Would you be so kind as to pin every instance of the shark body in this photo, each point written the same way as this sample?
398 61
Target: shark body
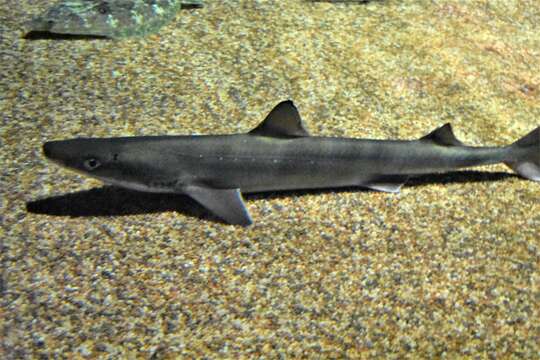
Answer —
277 155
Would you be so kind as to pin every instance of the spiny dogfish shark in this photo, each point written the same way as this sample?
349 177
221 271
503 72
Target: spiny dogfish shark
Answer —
109 18
279 154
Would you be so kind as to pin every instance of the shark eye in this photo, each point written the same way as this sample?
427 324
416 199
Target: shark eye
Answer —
91 164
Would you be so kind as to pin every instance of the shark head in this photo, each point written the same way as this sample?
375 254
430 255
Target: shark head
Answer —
77 17
113 161
93 157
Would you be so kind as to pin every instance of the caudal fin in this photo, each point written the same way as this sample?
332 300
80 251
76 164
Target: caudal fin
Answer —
526 156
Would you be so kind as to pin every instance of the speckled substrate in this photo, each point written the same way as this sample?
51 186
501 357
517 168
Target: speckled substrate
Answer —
448 267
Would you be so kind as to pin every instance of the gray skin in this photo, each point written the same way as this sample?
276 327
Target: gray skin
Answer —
277 155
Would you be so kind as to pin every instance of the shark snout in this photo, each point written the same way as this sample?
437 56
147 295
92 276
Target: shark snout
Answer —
49 149
74 153
55 150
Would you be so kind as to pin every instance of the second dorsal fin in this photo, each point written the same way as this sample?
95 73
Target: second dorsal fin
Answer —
443 136
283 121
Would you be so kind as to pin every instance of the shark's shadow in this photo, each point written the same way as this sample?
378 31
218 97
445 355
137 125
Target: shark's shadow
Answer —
113 201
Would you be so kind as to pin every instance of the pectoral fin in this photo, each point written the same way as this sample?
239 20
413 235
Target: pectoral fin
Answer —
224 203
386 183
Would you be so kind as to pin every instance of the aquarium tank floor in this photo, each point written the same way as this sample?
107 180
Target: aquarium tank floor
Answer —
448 267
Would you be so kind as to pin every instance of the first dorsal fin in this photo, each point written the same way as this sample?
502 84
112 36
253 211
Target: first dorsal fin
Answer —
283 121
443 136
